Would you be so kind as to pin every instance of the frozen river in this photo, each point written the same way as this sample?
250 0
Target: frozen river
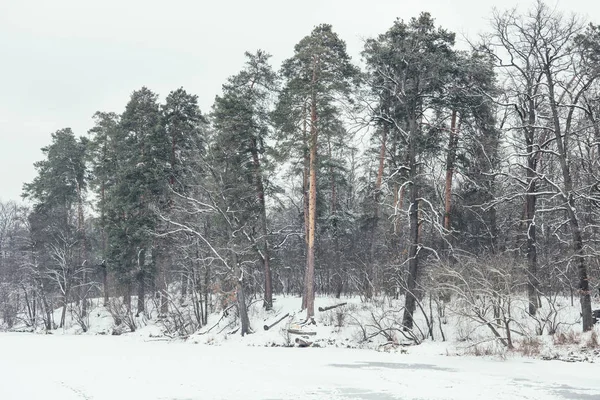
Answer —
53 367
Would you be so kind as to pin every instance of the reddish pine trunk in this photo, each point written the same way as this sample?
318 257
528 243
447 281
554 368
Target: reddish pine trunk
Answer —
312 201
312 214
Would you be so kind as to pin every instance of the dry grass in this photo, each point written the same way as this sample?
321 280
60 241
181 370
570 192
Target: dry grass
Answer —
529 347
490 348
568 338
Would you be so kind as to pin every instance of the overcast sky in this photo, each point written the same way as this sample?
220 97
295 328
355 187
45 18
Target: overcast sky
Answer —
62 60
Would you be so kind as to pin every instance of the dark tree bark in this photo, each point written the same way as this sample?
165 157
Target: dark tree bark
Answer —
562 143
141 278
83 257
141 308
263 242
413 260
305 194
371 281
450 158
530 206
104 240
127 295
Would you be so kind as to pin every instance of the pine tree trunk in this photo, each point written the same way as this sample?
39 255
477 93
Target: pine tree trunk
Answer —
104 246
184 285
241 296
450 157
305 190
83 250
206 294
161 281
141 293
371 284
494 230
105 284
312 208
337 277
141 278
413 265
263 242
127 295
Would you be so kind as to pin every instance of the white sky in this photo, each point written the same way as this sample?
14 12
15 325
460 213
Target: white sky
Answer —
63 60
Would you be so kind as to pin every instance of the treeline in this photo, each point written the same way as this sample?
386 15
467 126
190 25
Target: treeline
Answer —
479 180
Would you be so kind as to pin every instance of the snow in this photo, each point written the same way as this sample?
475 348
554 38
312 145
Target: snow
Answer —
129 367
146 365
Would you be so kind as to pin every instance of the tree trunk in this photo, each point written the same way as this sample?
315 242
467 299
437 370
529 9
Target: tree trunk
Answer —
184 285
371 284
161 281
413 264
47 310
63 314
263 242
450 157
312 208
141 277
127 295
305 190
104 247
241 299
241 296
83 250
530 203
141 293
206 295
562 143
337 277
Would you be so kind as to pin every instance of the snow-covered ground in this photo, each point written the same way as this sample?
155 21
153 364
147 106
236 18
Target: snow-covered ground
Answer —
130 367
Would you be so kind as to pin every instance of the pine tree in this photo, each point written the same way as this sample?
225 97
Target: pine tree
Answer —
418 58
319 72
184 127
58 192
142 157
241 122
104 167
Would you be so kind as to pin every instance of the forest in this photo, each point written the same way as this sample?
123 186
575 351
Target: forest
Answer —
422 173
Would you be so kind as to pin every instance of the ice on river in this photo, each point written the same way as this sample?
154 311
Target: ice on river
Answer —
111 368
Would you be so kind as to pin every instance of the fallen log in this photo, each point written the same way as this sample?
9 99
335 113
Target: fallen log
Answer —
309 321
303 343
301 332
267 327
321 309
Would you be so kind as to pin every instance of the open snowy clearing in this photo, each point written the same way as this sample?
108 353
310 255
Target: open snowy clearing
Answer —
107 367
